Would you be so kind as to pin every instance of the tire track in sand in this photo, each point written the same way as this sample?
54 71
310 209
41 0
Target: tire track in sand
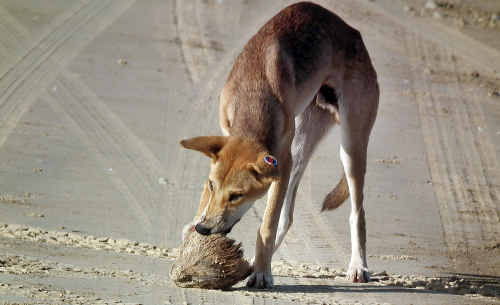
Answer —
20 86
12 39
188 31
136 169
13 34
461 160
101 143
192 27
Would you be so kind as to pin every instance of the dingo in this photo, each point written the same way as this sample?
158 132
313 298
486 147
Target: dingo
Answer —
305 71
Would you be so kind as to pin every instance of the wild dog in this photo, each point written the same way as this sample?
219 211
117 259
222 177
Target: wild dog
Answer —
304 71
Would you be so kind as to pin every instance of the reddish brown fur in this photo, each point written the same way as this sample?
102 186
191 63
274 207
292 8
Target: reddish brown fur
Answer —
261 79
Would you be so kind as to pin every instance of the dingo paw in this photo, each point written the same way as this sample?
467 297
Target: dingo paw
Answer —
260 280
358 274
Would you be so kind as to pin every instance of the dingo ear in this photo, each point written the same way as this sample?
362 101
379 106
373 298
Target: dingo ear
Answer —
209 145
265 168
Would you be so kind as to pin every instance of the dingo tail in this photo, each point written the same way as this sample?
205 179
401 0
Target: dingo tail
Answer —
337 196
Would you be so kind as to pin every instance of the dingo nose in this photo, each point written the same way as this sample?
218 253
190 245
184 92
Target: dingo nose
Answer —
202 229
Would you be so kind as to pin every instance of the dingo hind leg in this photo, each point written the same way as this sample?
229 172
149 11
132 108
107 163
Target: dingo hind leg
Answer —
310 128
357 109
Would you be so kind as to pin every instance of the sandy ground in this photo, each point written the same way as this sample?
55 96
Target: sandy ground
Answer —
94 188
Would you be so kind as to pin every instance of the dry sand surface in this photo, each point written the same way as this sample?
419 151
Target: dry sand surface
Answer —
95 190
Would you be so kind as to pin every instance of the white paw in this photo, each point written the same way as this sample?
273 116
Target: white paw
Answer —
358 273
260 280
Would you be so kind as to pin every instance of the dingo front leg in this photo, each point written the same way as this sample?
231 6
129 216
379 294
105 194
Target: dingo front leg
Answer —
266 235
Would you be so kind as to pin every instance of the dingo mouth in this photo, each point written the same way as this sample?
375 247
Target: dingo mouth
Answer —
204 230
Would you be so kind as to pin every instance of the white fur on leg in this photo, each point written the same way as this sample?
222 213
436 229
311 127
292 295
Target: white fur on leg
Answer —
284 224
286 215
346 161
358 270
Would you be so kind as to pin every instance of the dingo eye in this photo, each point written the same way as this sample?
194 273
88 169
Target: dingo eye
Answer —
211 185
234 197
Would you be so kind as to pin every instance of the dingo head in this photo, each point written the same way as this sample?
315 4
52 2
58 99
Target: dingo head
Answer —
241 171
